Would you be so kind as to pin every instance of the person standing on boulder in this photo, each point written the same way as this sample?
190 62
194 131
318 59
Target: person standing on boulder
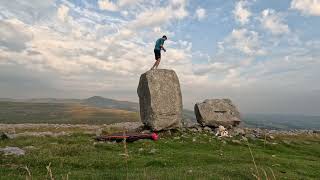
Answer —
157 51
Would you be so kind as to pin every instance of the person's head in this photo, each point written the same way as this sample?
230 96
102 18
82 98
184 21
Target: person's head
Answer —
164 37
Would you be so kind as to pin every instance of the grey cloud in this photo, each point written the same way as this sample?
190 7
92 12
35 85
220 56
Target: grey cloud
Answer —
12 38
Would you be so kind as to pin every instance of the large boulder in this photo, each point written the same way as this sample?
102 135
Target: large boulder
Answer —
160 99
217 112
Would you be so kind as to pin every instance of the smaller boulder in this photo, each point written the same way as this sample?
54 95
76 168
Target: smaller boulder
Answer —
217 112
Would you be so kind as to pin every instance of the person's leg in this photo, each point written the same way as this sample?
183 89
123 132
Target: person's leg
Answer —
154 65
157 54
157 63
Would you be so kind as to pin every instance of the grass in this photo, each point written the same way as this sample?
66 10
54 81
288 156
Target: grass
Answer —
180 156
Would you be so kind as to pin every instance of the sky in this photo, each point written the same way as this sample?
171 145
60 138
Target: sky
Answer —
263 55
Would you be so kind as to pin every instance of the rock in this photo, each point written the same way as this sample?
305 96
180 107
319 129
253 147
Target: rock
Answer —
12 151
160 99
153 151
251 136
271 137
216 112
238 132
244 138
195 130
3 136
207 129
177 138
316 131
287 142
222 132
236 141
199 129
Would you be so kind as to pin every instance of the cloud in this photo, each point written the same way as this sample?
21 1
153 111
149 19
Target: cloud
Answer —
63 13
307 7
13 35
273 22
160 16
200 14
241 13
244 41
117 5
107 5
123 3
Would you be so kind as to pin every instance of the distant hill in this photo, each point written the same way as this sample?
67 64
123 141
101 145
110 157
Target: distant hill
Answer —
281 121
100 110
101 102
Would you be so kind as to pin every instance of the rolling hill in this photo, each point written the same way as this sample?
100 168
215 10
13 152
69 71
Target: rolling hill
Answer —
100 110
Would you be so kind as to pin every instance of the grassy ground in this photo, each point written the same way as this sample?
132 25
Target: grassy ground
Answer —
180 156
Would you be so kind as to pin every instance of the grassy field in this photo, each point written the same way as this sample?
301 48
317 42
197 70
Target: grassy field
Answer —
178 156
60 113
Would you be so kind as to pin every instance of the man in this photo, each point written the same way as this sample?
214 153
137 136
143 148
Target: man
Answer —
157 51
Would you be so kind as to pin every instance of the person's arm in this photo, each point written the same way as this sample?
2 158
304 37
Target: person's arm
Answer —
163 48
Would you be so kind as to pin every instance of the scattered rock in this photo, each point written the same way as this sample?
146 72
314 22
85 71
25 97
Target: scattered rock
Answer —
216 112
251 136
153 151
12 151
3 136
244 138
222 132
316 131
160 99
207 129
193 130
286 142
237 132
271 137
236 141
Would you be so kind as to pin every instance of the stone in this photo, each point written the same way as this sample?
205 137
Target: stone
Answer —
12 151
244 138
235 141
153 151
207 129
216 112
222 132
251 136
3 136
160 100
238 132
271 137
199 129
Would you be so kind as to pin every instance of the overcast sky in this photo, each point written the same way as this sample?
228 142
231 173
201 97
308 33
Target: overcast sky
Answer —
264 55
